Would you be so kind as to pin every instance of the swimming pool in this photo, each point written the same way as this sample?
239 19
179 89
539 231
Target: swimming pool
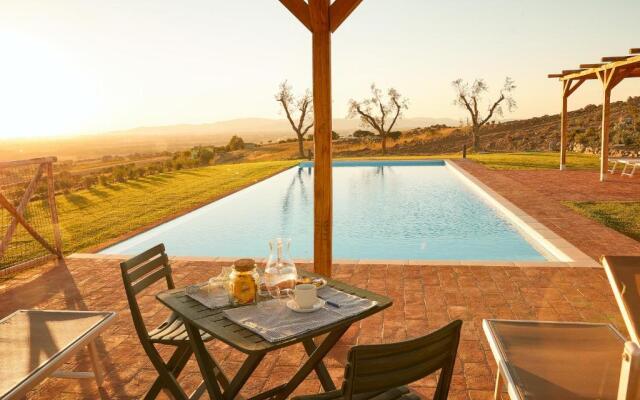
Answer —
392 210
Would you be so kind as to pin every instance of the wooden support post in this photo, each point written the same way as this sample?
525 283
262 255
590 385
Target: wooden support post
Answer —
323 186
564 124
604 140
609 78
568 87
57 237
322 18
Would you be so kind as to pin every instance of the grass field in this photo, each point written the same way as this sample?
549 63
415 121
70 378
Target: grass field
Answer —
102 213
520 161
622 216
546 160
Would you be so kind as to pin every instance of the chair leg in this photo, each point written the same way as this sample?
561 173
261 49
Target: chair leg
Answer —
624 169
95 363
175 365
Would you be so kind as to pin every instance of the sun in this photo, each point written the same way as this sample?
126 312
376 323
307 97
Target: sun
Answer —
44 90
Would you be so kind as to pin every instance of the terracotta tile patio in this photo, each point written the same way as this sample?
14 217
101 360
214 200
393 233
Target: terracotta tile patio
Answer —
425 297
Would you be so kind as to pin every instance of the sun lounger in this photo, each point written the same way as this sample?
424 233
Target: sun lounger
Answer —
555 360
626 162
568 360
34 344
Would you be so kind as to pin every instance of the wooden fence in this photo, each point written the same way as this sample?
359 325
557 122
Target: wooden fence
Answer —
20 183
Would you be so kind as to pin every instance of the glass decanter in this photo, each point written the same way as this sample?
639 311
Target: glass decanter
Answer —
280 272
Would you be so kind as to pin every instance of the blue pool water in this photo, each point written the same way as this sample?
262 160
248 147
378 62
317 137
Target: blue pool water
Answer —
382 210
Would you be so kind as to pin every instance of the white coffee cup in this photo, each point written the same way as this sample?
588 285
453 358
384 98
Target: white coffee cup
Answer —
305 295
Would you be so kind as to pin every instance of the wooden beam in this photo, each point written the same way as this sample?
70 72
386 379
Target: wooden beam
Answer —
340 10
635 50
300 10
571 71
614 58
573 86
555 75
322 180
598 65
12 210
20 163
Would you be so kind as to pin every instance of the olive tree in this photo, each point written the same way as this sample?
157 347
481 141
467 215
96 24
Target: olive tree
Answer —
379 113
299 109
470 98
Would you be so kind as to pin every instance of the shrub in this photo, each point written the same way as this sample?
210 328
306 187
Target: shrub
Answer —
362 133
235 143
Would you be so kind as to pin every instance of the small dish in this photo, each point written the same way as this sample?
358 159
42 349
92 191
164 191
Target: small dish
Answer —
318 282
293 306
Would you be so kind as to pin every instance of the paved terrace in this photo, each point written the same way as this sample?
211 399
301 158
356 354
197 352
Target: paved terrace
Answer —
425 297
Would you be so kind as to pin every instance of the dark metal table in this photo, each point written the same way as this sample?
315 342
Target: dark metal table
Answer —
213 321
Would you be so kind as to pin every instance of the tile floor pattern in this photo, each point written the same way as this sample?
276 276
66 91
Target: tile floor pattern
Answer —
425 298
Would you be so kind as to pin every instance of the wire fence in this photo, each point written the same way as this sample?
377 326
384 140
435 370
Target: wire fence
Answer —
27 230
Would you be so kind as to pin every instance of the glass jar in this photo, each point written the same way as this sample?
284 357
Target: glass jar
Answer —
243 282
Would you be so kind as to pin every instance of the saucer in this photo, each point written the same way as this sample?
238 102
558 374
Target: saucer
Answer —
293 306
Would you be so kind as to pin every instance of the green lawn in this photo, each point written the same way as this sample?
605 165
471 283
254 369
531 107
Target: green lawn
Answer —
530 160
622 216
536 160
93 216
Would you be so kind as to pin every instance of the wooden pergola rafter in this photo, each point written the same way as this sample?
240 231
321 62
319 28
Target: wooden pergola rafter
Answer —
322 18
612 71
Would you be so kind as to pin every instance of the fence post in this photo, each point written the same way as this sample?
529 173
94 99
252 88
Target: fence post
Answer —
464 151
54 210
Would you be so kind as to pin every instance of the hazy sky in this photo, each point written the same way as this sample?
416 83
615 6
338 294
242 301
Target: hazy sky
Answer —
74 66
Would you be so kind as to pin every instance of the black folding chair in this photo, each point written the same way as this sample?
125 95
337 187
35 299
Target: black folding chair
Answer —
138 273
380 371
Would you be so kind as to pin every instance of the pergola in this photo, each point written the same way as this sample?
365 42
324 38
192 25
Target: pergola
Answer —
610 73
322 18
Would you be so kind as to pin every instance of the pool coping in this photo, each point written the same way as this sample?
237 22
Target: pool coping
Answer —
419 263
538 235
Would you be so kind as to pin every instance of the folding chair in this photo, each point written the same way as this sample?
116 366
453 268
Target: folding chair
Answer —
138 273
380 371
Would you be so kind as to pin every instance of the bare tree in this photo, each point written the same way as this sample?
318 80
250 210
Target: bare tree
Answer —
378 114
470 97
302 106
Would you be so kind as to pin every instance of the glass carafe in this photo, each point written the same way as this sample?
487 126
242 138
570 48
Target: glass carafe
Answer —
280 272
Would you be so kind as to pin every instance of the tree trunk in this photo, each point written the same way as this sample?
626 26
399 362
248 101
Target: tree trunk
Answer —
301 146
384 144
475 139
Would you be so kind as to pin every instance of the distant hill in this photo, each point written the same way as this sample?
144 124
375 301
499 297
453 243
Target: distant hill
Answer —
539 133
155 139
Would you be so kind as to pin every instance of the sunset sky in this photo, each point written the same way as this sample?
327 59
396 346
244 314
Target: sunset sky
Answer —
85 66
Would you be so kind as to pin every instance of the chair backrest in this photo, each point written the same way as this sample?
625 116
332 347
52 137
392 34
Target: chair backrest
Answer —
140 272
380 367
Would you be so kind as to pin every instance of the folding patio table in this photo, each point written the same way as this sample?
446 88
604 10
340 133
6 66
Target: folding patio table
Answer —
35 343
213 321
